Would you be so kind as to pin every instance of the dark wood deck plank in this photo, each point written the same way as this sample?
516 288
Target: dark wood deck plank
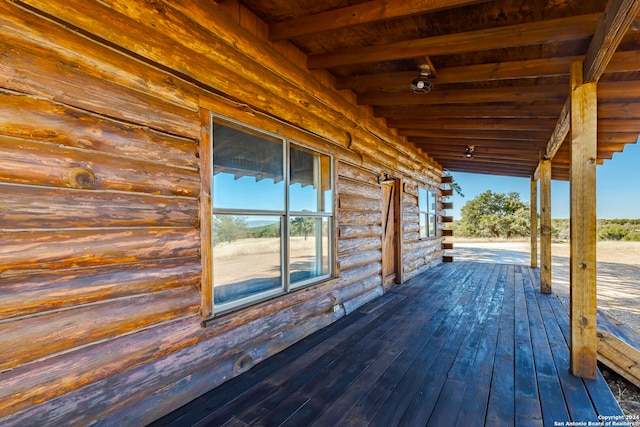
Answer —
575 394
501 409
361 393
462 344
476 395
388 408
552 401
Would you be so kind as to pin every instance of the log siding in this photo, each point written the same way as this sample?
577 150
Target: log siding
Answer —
105 210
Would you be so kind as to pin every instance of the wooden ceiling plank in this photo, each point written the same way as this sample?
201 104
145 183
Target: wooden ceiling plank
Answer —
363 13
614 24
554 30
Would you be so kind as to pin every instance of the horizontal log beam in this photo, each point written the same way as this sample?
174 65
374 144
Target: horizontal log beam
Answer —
26 206
29 162
26 117
69 288
555 30
364 13
61 331
31 252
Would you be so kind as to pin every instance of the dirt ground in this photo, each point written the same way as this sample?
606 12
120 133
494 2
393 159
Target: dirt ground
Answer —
618 289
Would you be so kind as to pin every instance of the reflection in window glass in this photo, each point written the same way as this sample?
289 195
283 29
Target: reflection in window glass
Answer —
427 209
248 171
308 248
310 184
271 229
246 256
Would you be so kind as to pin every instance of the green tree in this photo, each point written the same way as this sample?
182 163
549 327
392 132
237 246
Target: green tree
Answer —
494 215
302 226
227 228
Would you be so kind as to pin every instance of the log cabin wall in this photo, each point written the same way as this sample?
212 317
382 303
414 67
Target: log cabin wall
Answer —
100 267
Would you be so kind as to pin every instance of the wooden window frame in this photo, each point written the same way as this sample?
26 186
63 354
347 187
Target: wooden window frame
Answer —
208 310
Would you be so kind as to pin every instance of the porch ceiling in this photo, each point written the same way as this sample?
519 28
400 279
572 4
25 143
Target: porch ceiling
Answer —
501 70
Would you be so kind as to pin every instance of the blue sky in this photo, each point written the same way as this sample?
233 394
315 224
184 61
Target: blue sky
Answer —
617 188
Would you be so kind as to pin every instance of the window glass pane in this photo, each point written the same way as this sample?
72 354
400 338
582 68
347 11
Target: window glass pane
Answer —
423 225
308 248
432 225
246 256
422 199
310 187
432 202
247 169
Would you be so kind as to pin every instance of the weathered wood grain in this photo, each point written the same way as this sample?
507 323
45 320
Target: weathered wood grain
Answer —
26 117
24 206
37 163
98 60
25 252
34 69
29 339
23 295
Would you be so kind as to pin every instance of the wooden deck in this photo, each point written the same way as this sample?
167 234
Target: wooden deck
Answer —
464 344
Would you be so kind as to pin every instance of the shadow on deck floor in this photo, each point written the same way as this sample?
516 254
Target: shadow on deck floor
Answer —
463 344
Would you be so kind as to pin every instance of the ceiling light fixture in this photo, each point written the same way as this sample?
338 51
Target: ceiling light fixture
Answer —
421 84
468 152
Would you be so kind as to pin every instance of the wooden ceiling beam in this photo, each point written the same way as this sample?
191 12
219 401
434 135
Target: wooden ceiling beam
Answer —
467 134
532 124
526 94
533 68
459 148
485 168
505 110
614 24
489 143
363 13
554 30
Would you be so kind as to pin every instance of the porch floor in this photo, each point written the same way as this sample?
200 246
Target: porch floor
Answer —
463 344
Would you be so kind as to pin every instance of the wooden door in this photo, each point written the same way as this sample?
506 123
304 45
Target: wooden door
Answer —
390 233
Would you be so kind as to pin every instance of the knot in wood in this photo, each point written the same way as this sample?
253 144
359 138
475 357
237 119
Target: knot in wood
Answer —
243 363
584 321
81 178
583 266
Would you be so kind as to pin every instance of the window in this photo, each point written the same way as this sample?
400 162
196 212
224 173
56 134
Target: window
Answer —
272 216
427 208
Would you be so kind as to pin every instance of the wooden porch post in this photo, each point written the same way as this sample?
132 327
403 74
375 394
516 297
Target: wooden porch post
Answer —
534 222
545 226
584 342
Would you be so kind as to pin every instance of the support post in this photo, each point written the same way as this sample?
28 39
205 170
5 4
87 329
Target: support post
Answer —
545 226
584 340
534 222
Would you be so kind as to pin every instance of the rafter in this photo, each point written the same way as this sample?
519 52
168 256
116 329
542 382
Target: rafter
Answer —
504 110
555 30
477 134
614 24
533 68
363 13
532 124
545 93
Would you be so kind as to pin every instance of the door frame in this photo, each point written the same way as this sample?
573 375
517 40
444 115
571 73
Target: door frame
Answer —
397 209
